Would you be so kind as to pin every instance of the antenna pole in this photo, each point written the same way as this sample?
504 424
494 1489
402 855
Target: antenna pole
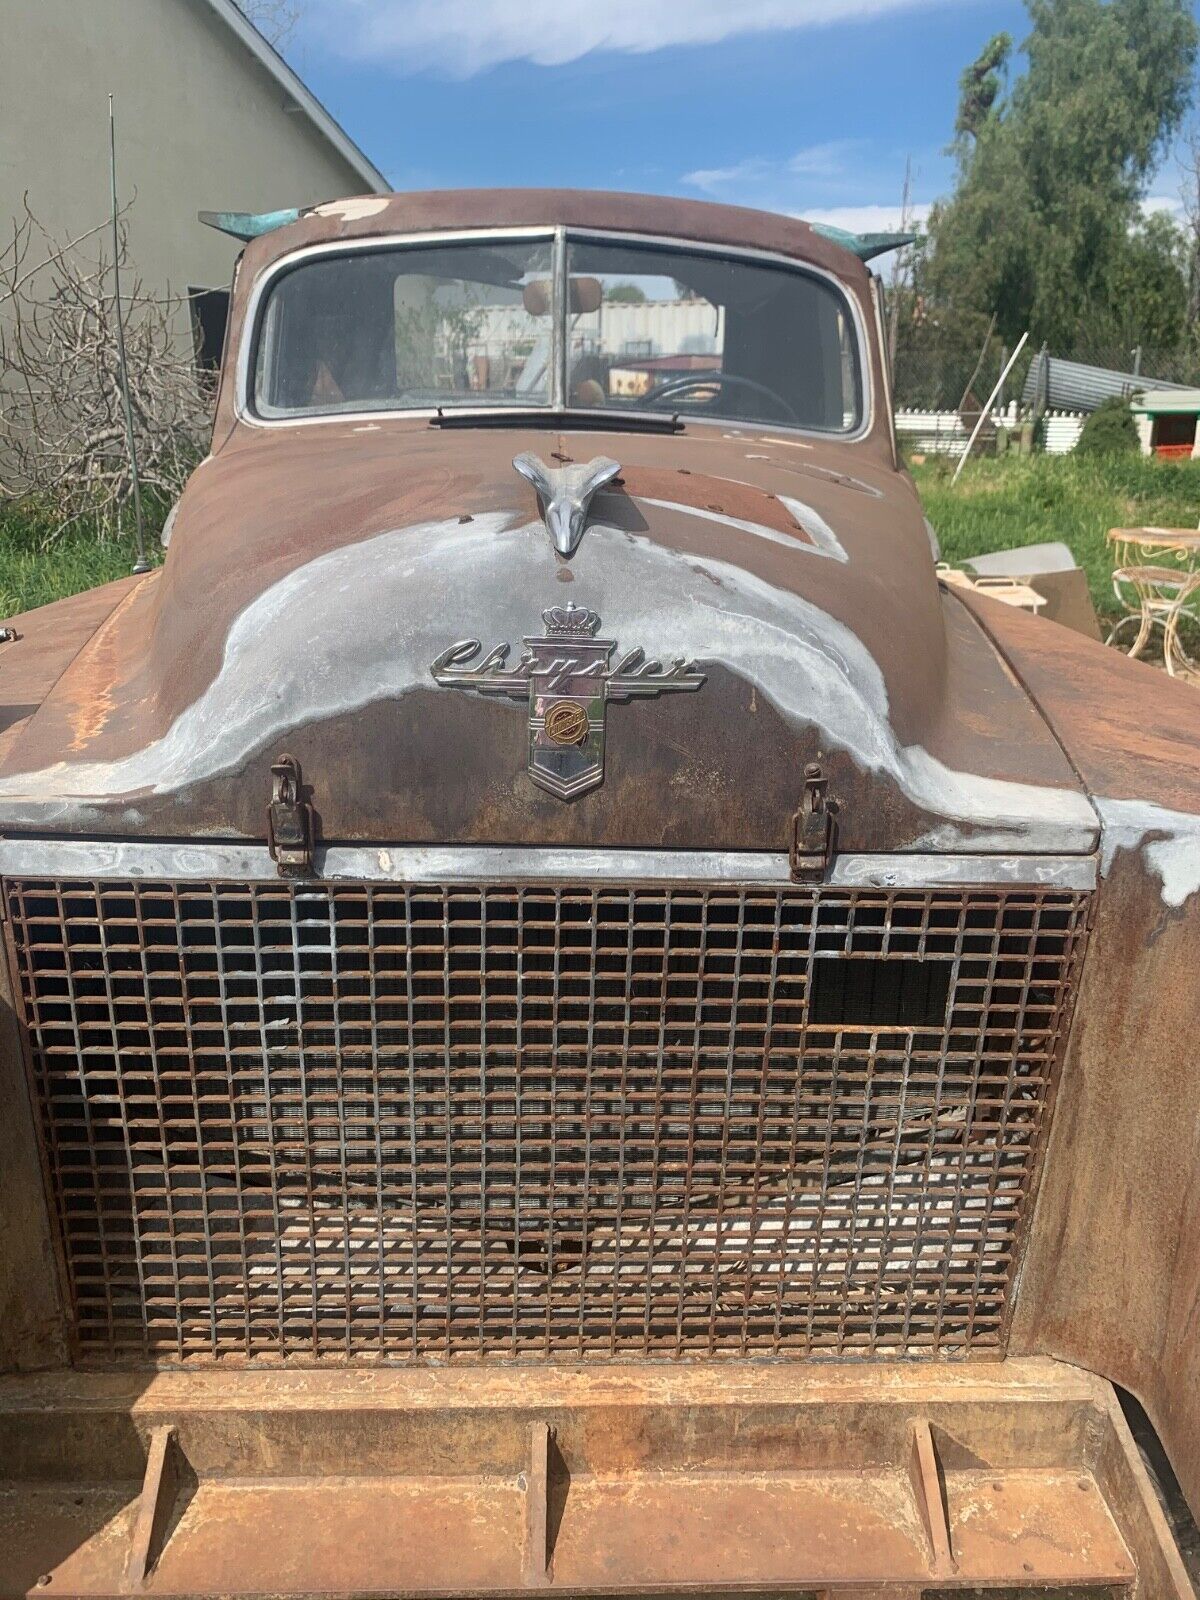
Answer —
141 564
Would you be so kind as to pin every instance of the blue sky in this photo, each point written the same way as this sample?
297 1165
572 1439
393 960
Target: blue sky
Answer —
806 106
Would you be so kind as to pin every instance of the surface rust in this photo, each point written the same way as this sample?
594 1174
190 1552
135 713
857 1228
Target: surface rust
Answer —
1112 1278
539 1123
393 769
791 531
1129 730
943 723
630 1481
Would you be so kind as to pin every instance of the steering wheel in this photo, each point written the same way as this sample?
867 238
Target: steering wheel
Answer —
672 388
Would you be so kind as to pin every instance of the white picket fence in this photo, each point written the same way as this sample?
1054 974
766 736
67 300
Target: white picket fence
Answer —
942 433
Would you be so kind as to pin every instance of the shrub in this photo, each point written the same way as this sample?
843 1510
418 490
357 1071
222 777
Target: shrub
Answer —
1109 431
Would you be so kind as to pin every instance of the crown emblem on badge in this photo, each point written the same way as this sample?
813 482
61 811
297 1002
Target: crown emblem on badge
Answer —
571 621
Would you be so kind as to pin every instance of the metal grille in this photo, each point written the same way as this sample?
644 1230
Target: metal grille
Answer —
520 1123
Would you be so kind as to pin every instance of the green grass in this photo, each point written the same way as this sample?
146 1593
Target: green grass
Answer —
36 569
1007 502
996 504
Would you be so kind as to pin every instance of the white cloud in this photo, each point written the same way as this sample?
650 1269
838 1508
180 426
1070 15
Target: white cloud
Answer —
819 183
823 160
741 176
886 218
760 182
1170 203
818 162
869 219
468 36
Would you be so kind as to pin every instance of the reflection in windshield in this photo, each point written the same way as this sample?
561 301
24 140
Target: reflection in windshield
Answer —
410 329
637 327
707 335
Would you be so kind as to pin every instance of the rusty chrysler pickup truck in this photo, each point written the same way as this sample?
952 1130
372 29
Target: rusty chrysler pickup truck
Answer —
572 1019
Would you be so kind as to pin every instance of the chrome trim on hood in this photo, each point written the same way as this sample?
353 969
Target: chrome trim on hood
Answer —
100 858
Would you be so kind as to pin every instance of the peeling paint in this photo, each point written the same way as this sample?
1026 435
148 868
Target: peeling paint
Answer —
351 210
371 617
1169 842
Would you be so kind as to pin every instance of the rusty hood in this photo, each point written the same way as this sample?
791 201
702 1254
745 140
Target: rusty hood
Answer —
317 574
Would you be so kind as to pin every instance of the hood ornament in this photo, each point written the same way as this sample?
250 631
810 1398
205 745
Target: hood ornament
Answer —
566 678
566 493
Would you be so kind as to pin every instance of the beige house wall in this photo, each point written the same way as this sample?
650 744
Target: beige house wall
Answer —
201 124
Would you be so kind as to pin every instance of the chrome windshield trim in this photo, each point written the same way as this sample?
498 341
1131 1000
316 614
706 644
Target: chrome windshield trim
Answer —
252 863
885 365
560 237
558 346
793 264
248 345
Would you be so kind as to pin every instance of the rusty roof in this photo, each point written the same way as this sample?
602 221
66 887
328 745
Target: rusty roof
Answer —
653 216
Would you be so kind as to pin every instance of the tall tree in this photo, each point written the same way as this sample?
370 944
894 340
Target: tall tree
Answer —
1189 167
1043 227
980 85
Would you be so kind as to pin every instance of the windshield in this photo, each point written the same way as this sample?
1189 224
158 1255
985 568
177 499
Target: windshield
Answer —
410 329
636 327
711 335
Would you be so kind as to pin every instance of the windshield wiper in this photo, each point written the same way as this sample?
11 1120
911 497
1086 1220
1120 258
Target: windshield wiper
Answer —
608 420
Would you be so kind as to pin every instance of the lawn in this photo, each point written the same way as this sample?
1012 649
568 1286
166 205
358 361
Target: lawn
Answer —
995 504
35 569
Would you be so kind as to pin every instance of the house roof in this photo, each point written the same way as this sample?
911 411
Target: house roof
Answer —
1160 402
235 19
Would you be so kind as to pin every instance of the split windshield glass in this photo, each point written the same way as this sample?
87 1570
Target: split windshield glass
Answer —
410 329
603 324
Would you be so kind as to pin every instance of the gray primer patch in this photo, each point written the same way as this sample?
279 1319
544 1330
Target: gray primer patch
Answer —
363 623
1169 842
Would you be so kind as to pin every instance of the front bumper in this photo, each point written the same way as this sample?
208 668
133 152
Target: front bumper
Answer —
879 1479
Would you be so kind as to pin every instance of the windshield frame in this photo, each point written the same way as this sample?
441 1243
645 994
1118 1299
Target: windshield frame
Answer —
559 237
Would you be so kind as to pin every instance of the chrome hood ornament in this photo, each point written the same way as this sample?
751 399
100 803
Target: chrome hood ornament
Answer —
567 680
566 493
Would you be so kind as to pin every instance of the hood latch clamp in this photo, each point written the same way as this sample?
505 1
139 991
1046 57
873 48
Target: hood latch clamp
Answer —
289 820
814 829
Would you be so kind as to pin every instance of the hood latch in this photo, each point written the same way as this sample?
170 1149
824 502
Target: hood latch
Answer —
814 829
289 821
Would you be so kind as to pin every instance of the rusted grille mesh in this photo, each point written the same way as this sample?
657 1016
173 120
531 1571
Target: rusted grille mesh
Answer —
511 1122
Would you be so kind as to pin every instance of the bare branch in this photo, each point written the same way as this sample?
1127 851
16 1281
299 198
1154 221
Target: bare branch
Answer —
275 19
31 223
901 265
62 437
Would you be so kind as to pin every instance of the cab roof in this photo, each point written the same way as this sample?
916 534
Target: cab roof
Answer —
437 210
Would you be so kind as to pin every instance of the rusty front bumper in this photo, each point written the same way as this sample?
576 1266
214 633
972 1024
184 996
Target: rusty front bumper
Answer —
873 1480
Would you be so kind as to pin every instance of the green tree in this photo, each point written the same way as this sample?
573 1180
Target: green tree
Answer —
979 87
1147 288
625 294
1044 225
